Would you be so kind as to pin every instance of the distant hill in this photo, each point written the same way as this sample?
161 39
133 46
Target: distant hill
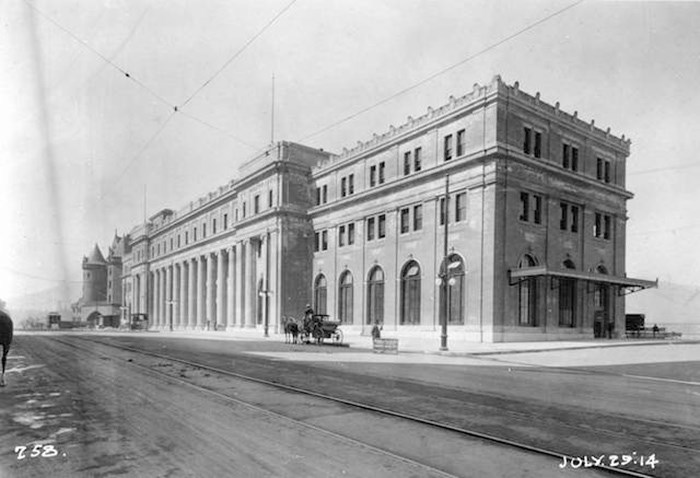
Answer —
54 298
669 304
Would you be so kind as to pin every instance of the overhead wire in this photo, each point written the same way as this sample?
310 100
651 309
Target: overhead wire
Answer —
238 53
443 71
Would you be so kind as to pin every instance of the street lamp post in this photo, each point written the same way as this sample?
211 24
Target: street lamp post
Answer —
444 280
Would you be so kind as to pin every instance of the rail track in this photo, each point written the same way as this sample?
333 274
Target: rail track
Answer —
556 456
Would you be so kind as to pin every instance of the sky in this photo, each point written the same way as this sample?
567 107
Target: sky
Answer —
90 141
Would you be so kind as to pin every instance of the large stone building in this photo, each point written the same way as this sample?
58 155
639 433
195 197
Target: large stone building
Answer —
535 221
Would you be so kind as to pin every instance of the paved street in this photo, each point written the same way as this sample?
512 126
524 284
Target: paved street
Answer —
110 417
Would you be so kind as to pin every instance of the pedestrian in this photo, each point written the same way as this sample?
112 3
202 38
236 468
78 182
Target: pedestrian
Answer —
655 330
376 332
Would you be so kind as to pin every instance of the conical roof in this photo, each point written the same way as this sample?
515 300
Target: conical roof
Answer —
96 256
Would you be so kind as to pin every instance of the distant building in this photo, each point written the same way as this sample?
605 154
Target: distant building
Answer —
101 302
536 222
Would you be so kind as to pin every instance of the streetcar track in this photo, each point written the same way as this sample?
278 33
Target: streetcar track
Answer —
256 407
382 411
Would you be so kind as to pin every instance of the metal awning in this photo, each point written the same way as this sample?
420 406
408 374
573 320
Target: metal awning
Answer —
517 275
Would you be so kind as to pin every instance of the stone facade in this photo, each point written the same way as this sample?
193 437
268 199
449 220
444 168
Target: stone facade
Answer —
535 244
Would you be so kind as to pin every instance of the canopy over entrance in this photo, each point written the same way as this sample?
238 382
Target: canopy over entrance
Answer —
625 283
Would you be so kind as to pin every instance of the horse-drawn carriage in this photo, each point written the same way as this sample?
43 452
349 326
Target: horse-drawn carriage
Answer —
317 328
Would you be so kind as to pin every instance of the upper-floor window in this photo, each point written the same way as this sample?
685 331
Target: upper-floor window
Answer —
443 211
213 226
325 193
530 208
370 228
187 237
243 210
569 155
404 220
225 221
269 198
417 217
381 226
343 187
373 175
171 244
256 204
460 207
602 226
569 218
448 147
341 236
346 234
381 172
194 234
532 142
603 170
417 159
204 230
461 145
406 163
321 240
351 184
351 233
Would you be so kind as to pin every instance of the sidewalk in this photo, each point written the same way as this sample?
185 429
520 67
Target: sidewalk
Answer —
431 344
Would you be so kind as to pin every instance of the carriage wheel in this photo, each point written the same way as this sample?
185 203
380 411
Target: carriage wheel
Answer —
338 336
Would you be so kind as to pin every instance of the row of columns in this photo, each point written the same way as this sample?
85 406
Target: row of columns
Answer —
215 290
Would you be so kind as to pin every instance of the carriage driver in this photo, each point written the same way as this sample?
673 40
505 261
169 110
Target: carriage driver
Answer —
308 315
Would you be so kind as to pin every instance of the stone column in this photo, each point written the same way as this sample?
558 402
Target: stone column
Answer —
264 303
250 284
163 297
168 296
200 292
191 293
183 295
220 290
210 316
158 293
230 291
240 282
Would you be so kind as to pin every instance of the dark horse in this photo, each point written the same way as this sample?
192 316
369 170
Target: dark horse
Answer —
291 330
5 340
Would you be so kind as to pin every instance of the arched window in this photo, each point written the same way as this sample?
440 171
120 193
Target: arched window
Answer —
375 296
320 294
567 298
345 298
452 274
527 295
410 294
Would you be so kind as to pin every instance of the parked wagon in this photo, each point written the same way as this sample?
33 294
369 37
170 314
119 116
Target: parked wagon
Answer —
320 327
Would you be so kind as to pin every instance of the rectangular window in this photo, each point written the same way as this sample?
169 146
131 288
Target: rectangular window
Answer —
351 233
370 229
318 196
187 237
448 147
225 221
460 207
563 221
178 241
406 163
343 187
381 172
524 206
538 209
417 159
598 225
236 215
538 144
381 226
213 226
317 241
417 217
442 211
574 158
243 211
599 169
404 227
204 230
351 184
607 229
195 234
269 198
324 240
341 236
574 218
527 138
607 171
256 204
460 142
565 156
171 244
325 193
372 175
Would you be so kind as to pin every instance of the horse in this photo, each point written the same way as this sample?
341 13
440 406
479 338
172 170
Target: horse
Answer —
5 340
291 330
